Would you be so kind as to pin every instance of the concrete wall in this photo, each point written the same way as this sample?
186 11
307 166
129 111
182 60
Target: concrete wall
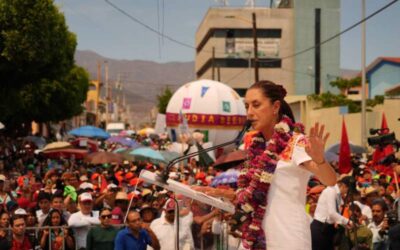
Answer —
333 120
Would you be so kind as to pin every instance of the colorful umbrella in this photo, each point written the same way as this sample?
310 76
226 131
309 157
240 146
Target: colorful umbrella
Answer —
57 145
146 131
66 153
126 133
104 157
147 154
123 141
227 177
90 131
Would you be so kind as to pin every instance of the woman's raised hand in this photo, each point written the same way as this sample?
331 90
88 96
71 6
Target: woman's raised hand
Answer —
316 146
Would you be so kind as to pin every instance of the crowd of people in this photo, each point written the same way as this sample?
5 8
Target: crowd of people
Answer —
68 204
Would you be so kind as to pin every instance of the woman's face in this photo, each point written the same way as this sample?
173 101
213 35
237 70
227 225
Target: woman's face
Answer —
55 219
31 220
260 110
4 221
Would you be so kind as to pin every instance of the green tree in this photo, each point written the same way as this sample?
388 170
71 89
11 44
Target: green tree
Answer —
58 99
163 100
34 42
345 84
39 81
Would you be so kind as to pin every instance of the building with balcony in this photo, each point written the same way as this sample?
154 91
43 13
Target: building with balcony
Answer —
225 45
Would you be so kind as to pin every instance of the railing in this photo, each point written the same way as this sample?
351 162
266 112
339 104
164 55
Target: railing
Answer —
221 238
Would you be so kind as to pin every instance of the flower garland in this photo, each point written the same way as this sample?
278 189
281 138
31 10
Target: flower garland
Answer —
255 179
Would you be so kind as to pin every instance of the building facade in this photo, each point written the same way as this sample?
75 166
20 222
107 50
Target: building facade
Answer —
225 45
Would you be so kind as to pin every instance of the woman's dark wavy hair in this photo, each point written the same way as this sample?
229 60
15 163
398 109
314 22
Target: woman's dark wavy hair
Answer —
47 221
275 92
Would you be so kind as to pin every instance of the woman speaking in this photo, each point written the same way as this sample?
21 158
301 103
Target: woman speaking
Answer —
271 195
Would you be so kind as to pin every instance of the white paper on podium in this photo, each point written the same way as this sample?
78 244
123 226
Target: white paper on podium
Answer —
185 190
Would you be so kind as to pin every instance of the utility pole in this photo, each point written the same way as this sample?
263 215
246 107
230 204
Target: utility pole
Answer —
98 91
107 93
317 58
363 81
255 47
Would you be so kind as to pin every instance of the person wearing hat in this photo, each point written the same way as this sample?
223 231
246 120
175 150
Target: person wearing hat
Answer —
82 220
328 213
121 206
164 228
147 213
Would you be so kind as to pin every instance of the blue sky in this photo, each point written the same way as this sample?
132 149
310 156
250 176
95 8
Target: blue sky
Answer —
102 29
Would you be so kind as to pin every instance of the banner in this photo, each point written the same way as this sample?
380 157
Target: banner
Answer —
173 119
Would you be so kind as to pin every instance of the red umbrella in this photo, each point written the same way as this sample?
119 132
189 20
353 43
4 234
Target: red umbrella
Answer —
66 153
103 157
231 159
85 143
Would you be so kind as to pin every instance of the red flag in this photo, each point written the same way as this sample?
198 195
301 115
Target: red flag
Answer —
344 152
381 153
384 126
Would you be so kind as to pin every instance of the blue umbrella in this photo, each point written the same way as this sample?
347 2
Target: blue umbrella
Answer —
331 157
227 177
119 150
147 154
90 131
124 141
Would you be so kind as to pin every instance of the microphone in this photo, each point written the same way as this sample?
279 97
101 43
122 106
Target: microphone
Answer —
165 173
246 127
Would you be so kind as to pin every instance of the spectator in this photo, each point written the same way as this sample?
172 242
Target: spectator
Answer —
44 204
328 213
363 233
121 205
164 228
379 225
18 241
136 235
57 202
4 224
60 238
4 196
31 221
102 237
81 221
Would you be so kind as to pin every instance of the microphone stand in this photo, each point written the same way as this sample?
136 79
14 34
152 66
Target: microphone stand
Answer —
165 173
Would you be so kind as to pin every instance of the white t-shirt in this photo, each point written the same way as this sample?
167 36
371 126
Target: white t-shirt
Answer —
165 232
80 224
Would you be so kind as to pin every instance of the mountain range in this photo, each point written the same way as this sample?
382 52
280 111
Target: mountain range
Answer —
140 81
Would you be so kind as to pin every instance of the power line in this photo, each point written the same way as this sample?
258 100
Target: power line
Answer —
333 37
148 27
260 60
